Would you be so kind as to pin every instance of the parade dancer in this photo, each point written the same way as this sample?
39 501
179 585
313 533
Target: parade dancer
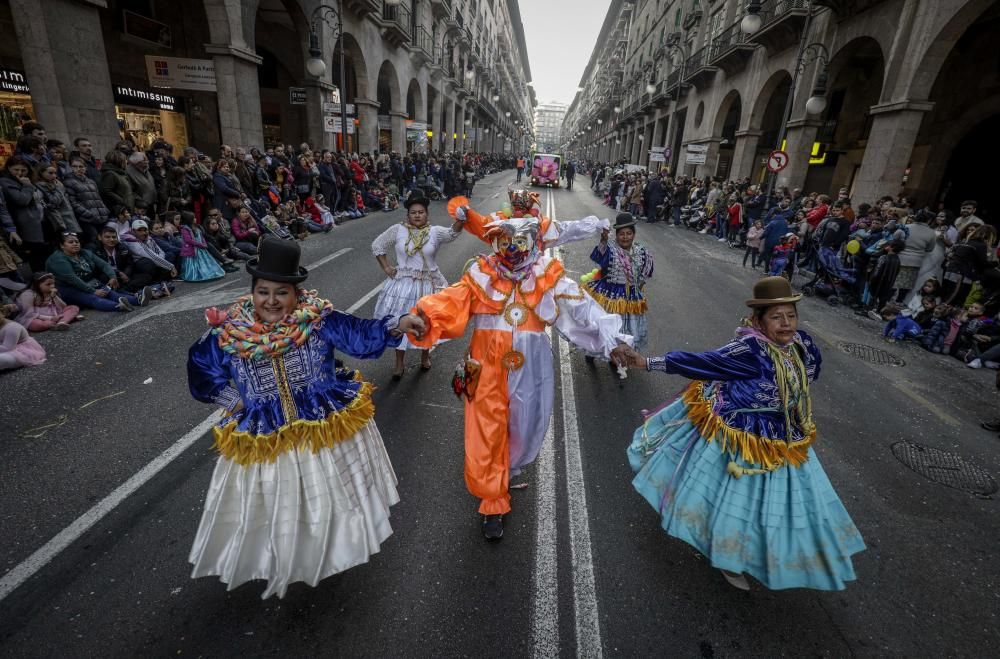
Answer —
617 284
303 484
415 244
729 464
507 380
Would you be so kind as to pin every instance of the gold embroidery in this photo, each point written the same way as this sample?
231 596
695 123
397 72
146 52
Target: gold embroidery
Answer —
516 314
284 390
512 360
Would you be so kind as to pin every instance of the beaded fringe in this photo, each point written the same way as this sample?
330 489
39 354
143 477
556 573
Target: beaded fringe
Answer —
618 306
246 448
770 453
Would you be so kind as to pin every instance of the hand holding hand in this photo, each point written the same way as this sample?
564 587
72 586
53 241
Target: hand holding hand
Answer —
461 213
412 324
604 236
628 356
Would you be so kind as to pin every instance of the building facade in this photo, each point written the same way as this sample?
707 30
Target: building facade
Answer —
911 93
447 75
548 126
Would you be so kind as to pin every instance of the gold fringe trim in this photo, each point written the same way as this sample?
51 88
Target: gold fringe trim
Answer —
619 306
769 453
246 448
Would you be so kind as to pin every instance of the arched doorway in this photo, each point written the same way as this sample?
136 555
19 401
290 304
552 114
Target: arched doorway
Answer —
279 24
953 157
768 114
727 122
354 86
416 137
857 72
388 101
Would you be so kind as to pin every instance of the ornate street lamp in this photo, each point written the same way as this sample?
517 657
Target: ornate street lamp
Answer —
752 21
315 65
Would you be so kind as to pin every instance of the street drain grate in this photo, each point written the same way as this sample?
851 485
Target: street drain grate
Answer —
871 354
945 468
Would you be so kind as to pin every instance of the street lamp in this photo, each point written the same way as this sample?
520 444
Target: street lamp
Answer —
752 21
496 97
315 64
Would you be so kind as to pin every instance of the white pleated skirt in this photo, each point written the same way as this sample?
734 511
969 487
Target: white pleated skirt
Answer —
399 295
303 517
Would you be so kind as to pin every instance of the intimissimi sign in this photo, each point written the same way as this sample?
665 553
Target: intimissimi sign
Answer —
13 81
147 98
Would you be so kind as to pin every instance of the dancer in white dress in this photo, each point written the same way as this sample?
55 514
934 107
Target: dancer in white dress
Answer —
414 243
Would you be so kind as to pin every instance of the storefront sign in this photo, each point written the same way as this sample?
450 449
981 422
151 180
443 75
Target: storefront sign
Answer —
13 81
147 98
332 124
297 95
384 122
141 27
181 73
697 154
334 108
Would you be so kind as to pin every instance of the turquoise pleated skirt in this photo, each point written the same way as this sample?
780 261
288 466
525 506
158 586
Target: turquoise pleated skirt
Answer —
787 528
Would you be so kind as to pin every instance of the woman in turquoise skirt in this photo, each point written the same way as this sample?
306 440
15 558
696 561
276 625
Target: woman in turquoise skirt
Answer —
197 263
729 464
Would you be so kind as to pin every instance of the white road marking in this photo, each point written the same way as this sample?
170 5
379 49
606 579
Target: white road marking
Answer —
545 603
588 623
71 533
43 556
202 298
369 295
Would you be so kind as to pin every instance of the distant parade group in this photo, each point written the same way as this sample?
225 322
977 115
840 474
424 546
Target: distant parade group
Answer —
303 484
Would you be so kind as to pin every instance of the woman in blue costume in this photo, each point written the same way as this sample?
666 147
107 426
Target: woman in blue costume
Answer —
729 464
617 283
303 484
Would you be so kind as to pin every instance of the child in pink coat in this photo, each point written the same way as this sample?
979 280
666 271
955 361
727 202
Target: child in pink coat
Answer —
40 307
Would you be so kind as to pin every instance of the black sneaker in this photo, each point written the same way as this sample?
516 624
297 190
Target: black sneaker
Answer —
992 426
493 527
144 296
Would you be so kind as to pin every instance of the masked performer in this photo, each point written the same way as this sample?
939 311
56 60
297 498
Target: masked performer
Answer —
624 267
511 297
729 464
303 485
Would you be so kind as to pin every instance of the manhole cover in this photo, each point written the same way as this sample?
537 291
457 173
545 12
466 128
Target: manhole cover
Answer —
945 468
871 354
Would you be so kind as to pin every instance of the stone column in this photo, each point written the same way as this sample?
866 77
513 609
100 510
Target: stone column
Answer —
890 146
317 92
65 63
637 146
449 126
798 145
460 127
238 94
398 122
367 110
745 154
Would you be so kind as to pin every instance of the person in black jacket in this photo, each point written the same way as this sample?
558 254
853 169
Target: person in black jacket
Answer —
133 278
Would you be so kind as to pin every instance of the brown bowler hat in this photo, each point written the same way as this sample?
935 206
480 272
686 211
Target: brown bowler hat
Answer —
773 290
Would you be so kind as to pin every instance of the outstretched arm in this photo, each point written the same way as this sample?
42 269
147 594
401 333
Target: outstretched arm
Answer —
584 323
572 231
445 314
733 361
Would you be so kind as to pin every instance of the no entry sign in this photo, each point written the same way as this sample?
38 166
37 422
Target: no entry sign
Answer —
777 161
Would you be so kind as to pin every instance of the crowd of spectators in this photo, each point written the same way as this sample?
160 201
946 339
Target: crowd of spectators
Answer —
115 233
929 274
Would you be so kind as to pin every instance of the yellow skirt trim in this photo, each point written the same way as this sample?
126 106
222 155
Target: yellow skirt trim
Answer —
246 448
619 305
769 453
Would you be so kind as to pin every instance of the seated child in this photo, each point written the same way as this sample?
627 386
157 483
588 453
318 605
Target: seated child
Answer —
898 327
170 243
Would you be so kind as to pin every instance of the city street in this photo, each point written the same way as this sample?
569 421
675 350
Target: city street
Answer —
583 568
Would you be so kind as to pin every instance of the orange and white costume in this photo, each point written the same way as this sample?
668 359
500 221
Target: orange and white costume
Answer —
508 415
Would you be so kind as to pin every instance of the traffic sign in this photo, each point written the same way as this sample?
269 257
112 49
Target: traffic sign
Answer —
777 161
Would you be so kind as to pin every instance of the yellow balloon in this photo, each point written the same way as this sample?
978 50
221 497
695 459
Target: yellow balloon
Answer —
853 247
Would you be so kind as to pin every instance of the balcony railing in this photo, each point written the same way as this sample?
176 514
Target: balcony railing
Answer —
782 22
731 50
422 44
441 8
396 19
697 69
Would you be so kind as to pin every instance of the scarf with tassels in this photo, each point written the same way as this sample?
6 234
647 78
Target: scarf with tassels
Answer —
416 238
242 334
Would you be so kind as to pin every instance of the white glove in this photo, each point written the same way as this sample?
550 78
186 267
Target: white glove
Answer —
460 214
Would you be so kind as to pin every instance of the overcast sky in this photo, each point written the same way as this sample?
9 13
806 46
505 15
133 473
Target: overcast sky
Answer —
561 34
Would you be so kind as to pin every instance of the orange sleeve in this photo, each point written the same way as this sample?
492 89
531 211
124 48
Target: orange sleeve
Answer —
446 312
476 224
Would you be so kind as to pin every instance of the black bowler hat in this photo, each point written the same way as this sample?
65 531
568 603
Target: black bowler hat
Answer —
624 221
417 198
278 260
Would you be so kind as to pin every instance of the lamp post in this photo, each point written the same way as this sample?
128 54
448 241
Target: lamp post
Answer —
315 65
808 53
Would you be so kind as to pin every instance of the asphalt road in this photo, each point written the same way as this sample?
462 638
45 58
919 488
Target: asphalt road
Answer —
583 567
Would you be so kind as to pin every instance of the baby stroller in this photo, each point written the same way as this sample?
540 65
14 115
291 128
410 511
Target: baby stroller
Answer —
267 222
833 279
